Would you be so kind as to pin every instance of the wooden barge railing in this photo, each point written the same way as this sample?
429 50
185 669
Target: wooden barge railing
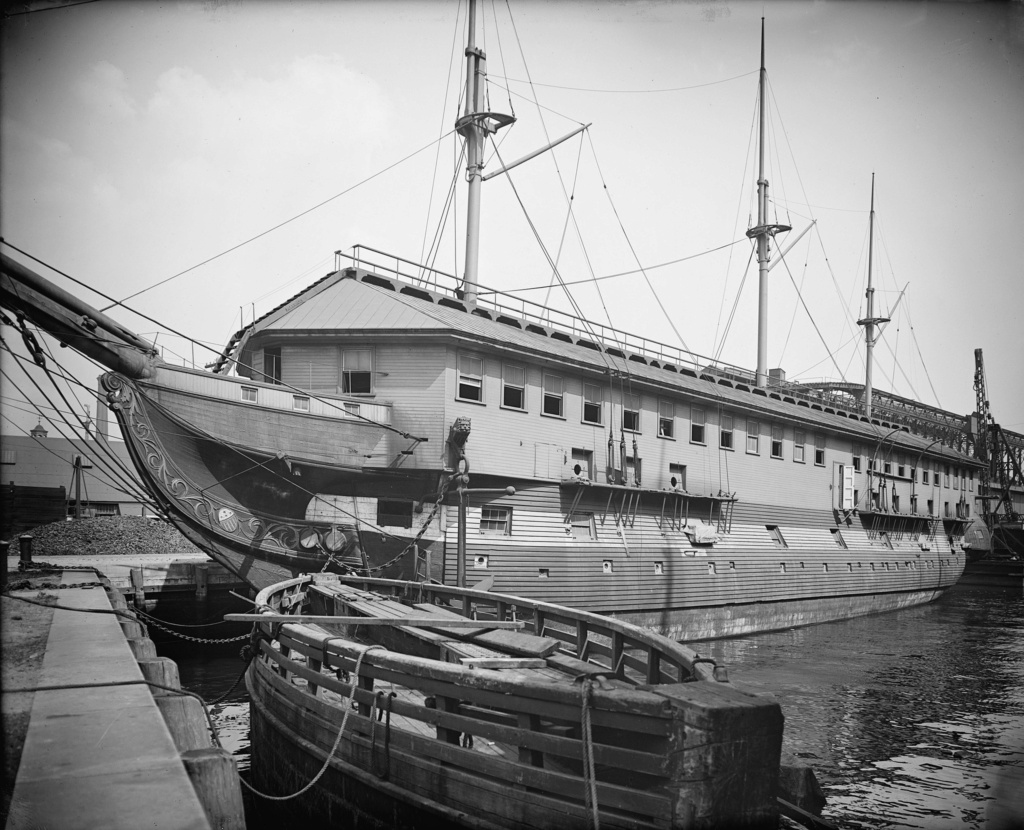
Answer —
651 731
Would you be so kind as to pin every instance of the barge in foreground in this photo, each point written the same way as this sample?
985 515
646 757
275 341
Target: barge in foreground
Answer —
562 719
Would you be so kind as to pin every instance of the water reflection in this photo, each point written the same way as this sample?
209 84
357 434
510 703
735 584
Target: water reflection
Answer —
911 719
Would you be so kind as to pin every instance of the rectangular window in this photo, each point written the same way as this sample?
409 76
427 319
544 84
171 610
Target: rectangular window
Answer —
900 466
696 425
887 467
8 457
496 521
777 537
581 526
593 404
776 441
513 387
931 507
856 459
666 419
837 537
471 378
300 403
753 437
677 476
356 371
945 508
552 404
250 394
272 365
819 450
956 478
351 408
394 513
913 505
945 477
631 413
725 432
963 482
924 476
799 439
970 481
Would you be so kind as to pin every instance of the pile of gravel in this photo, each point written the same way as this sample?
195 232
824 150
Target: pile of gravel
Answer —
108 536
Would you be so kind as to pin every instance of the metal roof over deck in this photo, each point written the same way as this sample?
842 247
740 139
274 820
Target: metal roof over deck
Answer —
354 301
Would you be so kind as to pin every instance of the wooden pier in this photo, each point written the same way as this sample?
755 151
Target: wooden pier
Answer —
99 750
154 575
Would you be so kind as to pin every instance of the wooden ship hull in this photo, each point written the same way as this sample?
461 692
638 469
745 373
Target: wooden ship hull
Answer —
400 421
682 531
573 721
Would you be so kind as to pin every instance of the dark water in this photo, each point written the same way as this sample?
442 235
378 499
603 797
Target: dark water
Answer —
911 719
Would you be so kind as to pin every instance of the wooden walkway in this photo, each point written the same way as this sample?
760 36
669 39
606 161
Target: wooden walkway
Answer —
97 751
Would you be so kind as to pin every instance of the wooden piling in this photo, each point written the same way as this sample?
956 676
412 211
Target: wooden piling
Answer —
132 630
185 720
215 778
161 670
202 577
141 647
140 592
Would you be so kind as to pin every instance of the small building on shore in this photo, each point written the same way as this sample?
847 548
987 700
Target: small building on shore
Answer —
47 478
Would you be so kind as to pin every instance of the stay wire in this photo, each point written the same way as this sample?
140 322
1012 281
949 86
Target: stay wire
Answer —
278 226
811 318
132 489
437 153
636 257
324 401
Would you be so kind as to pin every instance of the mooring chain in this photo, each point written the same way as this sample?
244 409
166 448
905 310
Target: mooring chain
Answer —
205 640
443 491
26 585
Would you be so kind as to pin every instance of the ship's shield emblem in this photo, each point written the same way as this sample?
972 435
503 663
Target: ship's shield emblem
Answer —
228 520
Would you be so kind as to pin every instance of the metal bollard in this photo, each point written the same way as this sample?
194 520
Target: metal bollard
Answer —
25 543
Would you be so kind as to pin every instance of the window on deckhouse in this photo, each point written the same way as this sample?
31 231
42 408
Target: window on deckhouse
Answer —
799 440
696 425
553 395
631 413
496 521
593 400
819 450
513 388
725 432
356 371
666 419
776 441
471 374
271 365
753 437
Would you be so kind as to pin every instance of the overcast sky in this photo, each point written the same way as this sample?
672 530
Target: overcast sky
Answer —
140 139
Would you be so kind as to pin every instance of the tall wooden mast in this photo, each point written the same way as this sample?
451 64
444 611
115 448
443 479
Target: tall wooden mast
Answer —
762 231
870 321
475 125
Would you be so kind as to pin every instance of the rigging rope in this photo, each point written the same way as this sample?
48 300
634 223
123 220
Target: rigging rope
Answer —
278 226
589 774
354 682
